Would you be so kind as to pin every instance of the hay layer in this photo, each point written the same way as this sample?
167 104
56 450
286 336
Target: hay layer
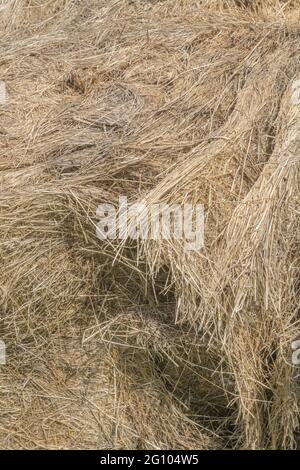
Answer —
144 345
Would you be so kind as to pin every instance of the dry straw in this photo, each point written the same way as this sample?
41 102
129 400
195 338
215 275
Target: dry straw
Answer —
143 345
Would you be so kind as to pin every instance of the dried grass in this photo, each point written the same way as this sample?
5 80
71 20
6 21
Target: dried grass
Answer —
123 345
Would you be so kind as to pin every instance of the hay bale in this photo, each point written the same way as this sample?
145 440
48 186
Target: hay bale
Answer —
140 344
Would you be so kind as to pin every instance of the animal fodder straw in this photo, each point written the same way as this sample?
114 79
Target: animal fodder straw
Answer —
142 344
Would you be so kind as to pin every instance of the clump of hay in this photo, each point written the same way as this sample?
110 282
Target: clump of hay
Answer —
144 345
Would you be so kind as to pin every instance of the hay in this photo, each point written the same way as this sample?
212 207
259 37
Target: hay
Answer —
144 345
